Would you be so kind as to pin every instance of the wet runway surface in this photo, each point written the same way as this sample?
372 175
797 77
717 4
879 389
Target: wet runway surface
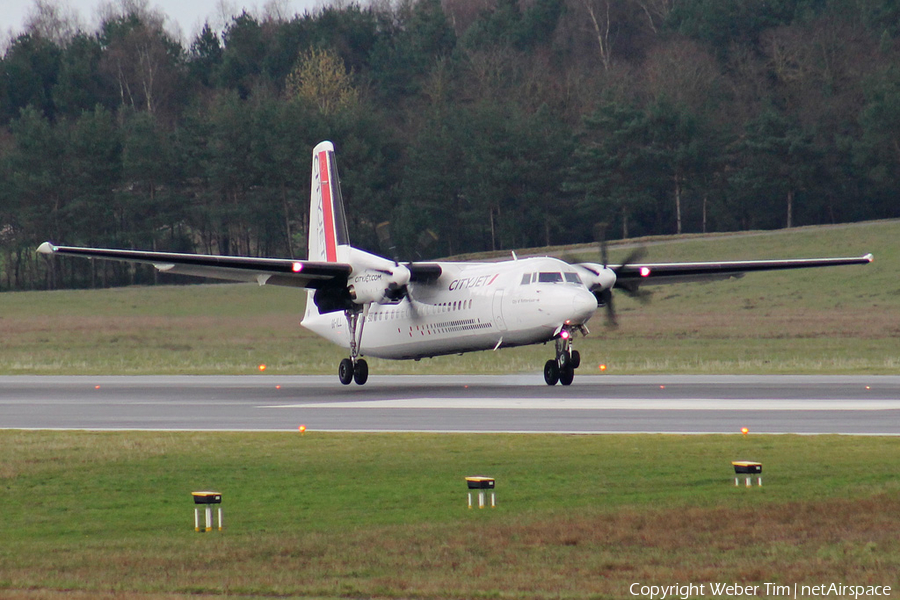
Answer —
593 404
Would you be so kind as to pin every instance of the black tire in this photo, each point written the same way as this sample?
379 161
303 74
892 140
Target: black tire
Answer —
551 372
345 371
576 359
567 375
361 372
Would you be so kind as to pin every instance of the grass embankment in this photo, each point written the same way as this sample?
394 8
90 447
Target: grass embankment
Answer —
344 515
835 320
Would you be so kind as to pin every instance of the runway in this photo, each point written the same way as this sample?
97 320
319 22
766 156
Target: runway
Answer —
521 403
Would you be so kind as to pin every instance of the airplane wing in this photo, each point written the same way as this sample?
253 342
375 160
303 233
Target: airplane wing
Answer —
660 273
264 271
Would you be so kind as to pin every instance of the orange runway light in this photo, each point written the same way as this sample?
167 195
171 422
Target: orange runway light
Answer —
277 387
602 368
302 429
262 368
662 387
96 387
744 430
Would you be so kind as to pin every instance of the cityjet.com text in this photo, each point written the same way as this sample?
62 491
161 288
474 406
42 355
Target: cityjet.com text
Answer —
730 590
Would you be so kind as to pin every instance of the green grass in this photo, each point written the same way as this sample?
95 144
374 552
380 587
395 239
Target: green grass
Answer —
362 515
835 320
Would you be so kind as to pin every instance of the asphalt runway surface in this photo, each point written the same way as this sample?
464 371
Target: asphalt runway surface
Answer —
521 403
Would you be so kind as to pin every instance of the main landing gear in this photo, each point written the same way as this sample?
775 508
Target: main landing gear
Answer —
354 368
562 368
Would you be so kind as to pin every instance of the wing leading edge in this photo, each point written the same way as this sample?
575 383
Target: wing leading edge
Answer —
660 273
264 271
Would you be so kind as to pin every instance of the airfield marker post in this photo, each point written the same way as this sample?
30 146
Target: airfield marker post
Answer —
204 501
481 484
748 469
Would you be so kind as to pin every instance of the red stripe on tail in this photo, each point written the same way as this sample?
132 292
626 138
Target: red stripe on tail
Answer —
327 209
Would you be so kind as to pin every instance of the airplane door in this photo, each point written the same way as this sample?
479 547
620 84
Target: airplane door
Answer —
498 310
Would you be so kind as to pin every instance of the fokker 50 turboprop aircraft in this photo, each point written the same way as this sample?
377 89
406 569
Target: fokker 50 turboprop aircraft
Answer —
379 307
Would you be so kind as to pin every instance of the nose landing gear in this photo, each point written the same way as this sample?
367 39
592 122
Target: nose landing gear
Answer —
562 368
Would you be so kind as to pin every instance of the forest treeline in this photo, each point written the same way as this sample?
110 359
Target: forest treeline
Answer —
494 123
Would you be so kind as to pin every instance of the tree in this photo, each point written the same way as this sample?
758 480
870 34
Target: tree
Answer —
205 56
37 189
30 70
778 158
320 78
143 61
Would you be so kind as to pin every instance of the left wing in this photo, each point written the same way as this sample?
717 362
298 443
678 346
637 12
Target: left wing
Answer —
659 273
264 271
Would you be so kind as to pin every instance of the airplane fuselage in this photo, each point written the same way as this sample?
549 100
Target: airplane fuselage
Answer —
472 306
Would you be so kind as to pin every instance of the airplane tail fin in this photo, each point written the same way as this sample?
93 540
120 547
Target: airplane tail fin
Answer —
329 239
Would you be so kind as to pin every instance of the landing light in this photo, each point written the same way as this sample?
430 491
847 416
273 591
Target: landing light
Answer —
297 267
645 271
564 334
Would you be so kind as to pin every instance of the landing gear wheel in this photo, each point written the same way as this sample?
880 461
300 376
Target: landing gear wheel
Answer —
567 374
361 372
564 359
551 372
576 359
345 371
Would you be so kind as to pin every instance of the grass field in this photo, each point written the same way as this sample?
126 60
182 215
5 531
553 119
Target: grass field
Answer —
836 320
110 515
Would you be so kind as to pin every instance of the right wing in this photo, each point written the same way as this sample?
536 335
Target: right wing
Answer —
659 273
264 271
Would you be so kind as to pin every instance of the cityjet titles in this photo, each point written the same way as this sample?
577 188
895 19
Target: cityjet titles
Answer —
472 282
685 591
368 277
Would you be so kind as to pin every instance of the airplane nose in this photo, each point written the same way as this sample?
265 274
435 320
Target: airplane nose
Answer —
584 304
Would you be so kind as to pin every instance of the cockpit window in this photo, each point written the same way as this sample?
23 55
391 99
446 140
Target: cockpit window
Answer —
526 279
550 278
573 278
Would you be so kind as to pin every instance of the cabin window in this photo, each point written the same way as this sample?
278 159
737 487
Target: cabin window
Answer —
550 278
526 279
573 278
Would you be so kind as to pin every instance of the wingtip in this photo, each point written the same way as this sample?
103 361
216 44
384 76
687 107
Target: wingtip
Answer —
46 248
869 257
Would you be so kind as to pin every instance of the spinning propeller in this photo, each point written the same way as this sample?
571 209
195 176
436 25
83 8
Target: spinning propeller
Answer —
604 295
400 276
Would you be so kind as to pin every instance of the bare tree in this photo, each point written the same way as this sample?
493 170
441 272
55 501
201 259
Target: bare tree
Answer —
598 12
656 11
53 20
681 70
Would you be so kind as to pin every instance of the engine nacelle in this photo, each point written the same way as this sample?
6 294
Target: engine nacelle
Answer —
596 277
379 285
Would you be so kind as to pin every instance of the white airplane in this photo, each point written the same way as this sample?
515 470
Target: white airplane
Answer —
380 307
